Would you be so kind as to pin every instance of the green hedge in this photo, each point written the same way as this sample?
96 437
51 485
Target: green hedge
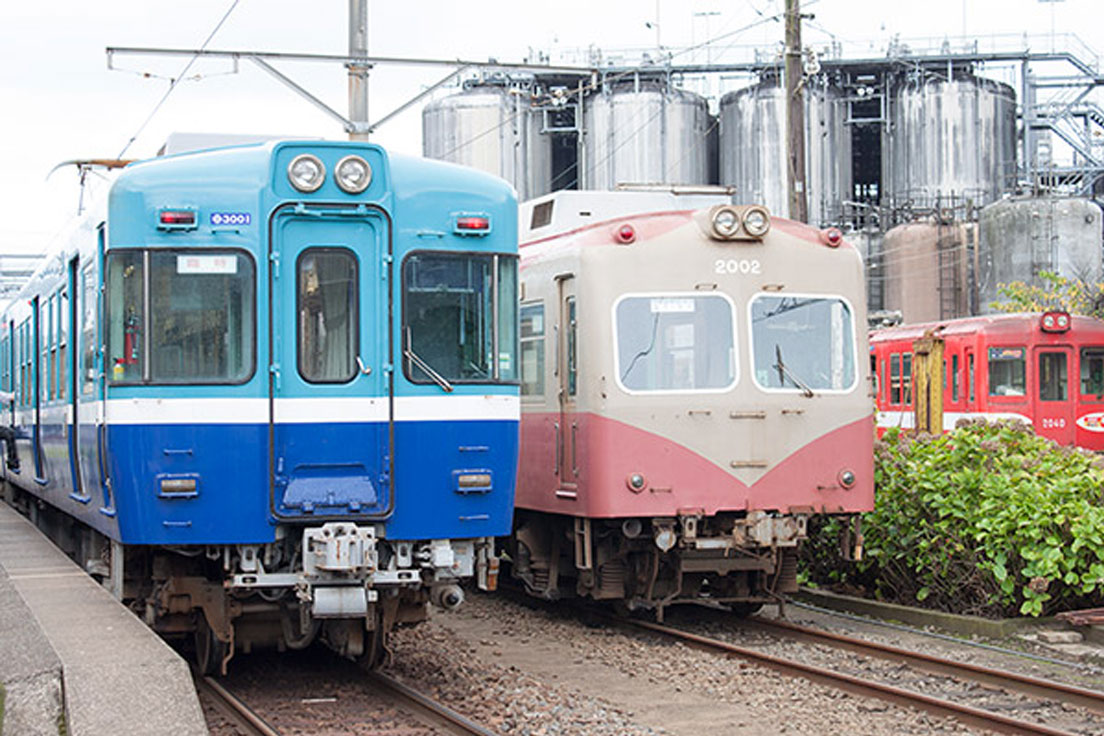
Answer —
990 520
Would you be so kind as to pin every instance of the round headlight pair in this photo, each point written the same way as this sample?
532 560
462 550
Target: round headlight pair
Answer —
352 174
728 220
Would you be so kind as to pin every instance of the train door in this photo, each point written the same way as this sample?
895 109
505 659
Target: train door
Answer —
567 373
39 369
330 387
1054 414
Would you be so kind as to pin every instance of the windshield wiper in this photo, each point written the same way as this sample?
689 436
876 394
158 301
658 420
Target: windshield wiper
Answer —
784 371
425 367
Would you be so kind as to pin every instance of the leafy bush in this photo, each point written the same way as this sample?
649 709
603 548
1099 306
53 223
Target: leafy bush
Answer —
990 519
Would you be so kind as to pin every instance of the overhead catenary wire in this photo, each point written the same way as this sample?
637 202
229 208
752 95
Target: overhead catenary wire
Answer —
176 80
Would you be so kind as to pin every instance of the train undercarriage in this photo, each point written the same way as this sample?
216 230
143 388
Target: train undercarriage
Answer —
338 583
741 560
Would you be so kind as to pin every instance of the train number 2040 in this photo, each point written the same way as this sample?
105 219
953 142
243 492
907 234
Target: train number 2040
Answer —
732 265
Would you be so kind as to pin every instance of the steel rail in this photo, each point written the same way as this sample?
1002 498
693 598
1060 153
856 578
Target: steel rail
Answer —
1033 686
963 713
233 707
436 712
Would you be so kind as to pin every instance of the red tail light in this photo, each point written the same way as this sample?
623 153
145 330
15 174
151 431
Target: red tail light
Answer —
176 219
473 224
831 237
625 234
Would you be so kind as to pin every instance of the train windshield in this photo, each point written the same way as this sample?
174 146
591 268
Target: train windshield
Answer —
1092 373
179 316
803 343
675 342
460 319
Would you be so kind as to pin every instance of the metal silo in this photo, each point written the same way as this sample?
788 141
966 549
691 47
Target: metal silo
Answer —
753 149
926 270
644 131
1021 237
949 141
492 128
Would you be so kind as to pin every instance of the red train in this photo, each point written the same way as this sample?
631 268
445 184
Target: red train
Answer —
693 390
1046 369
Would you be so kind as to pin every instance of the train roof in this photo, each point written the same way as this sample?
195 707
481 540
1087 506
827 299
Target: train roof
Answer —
564 211
1004 323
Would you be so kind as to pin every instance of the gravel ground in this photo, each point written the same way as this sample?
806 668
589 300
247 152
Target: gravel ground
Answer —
534 671
526 669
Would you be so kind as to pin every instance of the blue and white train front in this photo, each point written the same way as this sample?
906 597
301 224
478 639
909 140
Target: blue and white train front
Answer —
310 393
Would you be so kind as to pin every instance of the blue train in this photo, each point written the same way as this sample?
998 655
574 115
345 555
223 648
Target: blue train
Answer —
269 392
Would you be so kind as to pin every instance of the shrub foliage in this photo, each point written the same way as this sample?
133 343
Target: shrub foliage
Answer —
990 519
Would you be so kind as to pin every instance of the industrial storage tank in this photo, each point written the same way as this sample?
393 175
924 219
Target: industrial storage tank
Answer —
644 131
491 127
1021 237
753 148
949 142
927 268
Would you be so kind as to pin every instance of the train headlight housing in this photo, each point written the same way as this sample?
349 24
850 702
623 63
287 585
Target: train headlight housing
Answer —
306 173
353 174
757 221
725 222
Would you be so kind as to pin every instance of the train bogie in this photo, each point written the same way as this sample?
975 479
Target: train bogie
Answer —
273 386
691 394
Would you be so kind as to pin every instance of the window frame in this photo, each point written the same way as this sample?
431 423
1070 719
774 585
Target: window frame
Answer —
356 313
1025 366
676 295
541 341
147 254
1091 397
493 257
855 342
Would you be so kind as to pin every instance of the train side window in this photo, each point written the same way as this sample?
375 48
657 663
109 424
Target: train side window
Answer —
125 316
328 315
572 347
895 378
532 349
1007 369
1052 377
970 377
63 341
1092 373
874 373
954 378
88 330
906 378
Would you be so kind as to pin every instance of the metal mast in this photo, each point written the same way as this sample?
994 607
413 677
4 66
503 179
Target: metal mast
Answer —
795 114
358 71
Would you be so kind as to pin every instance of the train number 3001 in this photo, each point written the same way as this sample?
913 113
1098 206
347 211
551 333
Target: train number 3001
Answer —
732 265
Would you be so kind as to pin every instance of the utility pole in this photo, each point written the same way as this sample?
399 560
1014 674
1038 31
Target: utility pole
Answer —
795 113
358 73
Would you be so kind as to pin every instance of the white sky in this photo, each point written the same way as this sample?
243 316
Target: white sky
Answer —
59 101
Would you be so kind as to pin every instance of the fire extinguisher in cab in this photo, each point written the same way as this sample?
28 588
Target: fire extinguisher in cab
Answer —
131 335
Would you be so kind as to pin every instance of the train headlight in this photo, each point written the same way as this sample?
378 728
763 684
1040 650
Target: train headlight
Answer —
725 222
757 221
306 173
353 174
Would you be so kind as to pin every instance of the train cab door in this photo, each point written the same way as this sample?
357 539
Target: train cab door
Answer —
567 376
330 387
1054 408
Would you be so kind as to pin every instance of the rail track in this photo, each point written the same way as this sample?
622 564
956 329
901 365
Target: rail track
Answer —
424 709
427 708
1011 719
231 707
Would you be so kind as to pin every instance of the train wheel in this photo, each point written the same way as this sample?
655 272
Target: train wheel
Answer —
209 650
743 610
